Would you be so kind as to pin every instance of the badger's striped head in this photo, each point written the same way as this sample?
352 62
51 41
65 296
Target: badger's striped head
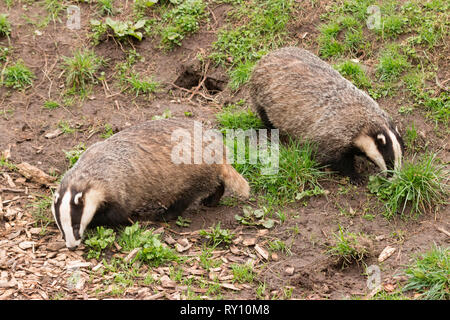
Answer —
73 210
384 147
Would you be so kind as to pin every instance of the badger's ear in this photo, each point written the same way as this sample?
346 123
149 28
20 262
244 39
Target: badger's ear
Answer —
381 138
78 198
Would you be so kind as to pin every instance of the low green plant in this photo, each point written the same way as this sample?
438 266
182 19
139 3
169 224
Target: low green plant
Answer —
297 173
74 154
81 69
50 105
106 7
99 240
253 29
40 211
414 189
5 25
4 52
151 250
349 247
243 273
392 63
355 73
141 6
165 115
120 30
17 76
217 235
141 85
429 274
182 20
231 117
255 217
107 131
183 222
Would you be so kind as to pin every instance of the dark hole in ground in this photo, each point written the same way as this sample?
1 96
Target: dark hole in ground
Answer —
190 79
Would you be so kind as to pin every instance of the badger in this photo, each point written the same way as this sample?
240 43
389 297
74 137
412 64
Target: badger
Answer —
133 171
295 91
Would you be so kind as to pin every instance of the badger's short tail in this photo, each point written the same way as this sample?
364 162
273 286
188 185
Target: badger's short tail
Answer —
234 181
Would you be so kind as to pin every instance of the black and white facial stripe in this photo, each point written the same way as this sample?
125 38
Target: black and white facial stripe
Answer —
384 148
73 210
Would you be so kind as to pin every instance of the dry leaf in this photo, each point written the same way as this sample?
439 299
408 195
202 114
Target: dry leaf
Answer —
386 253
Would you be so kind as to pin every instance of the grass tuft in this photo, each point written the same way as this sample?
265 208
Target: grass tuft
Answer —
17 76
414 189
429 274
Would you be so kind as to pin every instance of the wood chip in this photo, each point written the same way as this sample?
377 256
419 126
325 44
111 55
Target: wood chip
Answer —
289 271
386 253
166 282
131 255
54 133
55 246
9 180
35 174
263 252
169 240
230 286
249 242
26 245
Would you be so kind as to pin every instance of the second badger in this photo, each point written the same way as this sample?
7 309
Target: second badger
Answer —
304 97
133 171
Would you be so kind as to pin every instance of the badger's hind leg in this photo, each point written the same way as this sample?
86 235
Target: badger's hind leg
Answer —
345 165
177 208
213 199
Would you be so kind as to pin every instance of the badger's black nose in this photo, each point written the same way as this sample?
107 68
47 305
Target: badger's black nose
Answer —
72 248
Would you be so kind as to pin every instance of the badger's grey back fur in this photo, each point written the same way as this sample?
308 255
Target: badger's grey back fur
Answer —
133 171
295 91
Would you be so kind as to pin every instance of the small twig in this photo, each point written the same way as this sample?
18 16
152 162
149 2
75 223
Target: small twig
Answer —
443 231
12 190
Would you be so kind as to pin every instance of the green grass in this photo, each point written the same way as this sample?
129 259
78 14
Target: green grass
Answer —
107 131
355 73
74 154
121 30
415 189
254 28
429 274
298 172
138 84
81 70
17 76
106 7
217 235
40 211
243 273
99 240
4 52
5 26
349 247
54 8
392 63
50 105
183 19
232 117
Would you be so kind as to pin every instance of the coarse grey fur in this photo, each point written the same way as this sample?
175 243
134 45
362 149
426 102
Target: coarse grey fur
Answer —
132 172
295 91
